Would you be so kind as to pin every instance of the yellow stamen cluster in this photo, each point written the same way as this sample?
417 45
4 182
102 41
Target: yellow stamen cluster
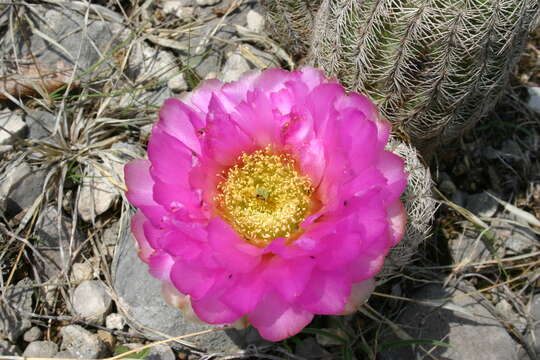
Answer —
264 197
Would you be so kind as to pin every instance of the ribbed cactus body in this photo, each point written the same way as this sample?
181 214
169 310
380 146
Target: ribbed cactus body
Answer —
435 67
291 23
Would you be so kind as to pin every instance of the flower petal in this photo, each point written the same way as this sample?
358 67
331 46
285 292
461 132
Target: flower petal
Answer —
223 140
392 167
326 292
160 264
255 118
180 244
360 293
192 278
342 249
398 219
139 183
246 293
200 97
181 122
312 160
365 267
180 301
312 77
137 229
321 104
214 311
289 277
275 319
230 250
170 159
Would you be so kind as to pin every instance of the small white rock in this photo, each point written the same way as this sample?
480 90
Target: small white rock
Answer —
145 131
172 6
91 301
64 354
185 12
534 98
46 349
5 148
115 321
151 64
12 127
81 343
207 2
97 195
211 75
81 272
235 66
255 21
13 176
32 334
178 83
178 8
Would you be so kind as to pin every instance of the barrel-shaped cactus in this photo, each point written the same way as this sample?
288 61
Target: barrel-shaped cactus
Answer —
435 67
291 23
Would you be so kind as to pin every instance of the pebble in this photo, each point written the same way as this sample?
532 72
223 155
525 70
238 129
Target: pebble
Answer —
12 127
178 83
7 348
463 323
97 195
115 321
255 21
234 67
446 185
534 98
81 272
82 343
158 352
178 8
482 204
64 354
40 124
32 334
459 197
5 148
310 349
108 339
517 238
208 2
19 188
108 240
91 301
55 244
44 349
211 75
12 323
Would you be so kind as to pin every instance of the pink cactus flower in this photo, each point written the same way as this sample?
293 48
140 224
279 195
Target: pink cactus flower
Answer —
267 200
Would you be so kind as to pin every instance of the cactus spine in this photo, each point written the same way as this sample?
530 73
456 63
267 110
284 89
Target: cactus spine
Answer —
435 67
291 23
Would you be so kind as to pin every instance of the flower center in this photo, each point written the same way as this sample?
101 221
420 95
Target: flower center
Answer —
264 197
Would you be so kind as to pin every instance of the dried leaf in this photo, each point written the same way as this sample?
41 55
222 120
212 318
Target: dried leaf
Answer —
35 79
